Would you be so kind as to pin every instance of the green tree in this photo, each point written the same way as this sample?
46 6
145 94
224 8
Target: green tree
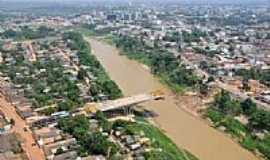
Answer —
82 74
248 106
260 120
98 144
9 34
59 151
226 104
49 111
103 122
210 79
66 105
264 146
77 126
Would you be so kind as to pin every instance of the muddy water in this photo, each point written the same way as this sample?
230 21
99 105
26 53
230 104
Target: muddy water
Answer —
186 131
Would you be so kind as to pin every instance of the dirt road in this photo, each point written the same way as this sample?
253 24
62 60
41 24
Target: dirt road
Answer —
32 151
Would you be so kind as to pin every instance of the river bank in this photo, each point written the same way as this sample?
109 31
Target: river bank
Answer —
185 130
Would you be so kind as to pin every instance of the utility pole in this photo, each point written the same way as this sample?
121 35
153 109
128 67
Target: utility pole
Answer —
109 152
179 41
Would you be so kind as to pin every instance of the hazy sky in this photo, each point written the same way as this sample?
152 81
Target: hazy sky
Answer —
218 1
163 1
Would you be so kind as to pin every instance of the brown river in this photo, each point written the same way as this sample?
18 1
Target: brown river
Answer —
185 130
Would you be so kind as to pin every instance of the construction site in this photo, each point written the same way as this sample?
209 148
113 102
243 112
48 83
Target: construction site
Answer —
124 104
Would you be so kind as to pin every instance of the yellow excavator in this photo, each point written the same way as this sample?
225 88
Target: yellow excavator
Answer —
158 94
90 107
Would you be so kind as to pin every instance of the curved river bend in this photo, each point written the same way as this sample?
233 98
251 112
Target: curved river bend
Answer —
185 130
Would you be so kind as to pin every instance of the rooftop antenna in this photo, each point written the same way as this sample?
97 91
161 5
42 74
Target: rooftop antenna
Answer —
130 3
180 41
259 43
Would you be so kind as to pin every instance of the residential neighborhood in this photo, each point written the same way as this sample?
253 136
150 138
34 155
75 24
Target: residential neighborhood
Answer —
134 80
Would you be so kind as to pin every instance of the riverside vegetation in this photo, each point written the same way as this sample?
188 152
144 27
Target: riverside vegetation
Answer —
253 135
162 63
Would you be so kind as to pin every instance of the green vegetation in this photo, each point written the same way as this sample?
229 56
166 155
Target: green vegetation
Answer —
60 89
262 75
103 84
91 142
194 36
163 147
214 115
2 17
223 112
188 37
103 122
90 30
260 120
28 33
162 63
46 82
172 37
206 51
226 104
86 32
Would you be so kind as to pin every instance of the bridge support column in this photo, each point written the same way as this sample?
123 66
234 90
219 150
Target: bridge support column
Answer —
128 110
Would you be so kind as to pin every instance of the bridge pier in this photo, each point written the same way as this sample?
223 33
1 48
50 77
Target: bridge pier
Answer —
128 110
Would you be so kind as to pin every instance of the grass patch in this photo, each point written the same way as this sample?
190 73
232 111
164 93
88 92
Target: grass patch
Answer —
85 31
108 39
249 143
164 79
264 145
233 126
214 115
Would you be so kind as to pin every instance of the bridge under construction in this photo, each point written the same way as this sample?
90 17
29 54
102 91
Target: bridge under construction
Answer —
93 107
122 102
110 105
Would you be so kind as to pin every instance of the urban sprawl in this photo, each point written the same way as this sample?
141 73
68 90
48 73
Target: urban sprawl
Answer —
57 102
